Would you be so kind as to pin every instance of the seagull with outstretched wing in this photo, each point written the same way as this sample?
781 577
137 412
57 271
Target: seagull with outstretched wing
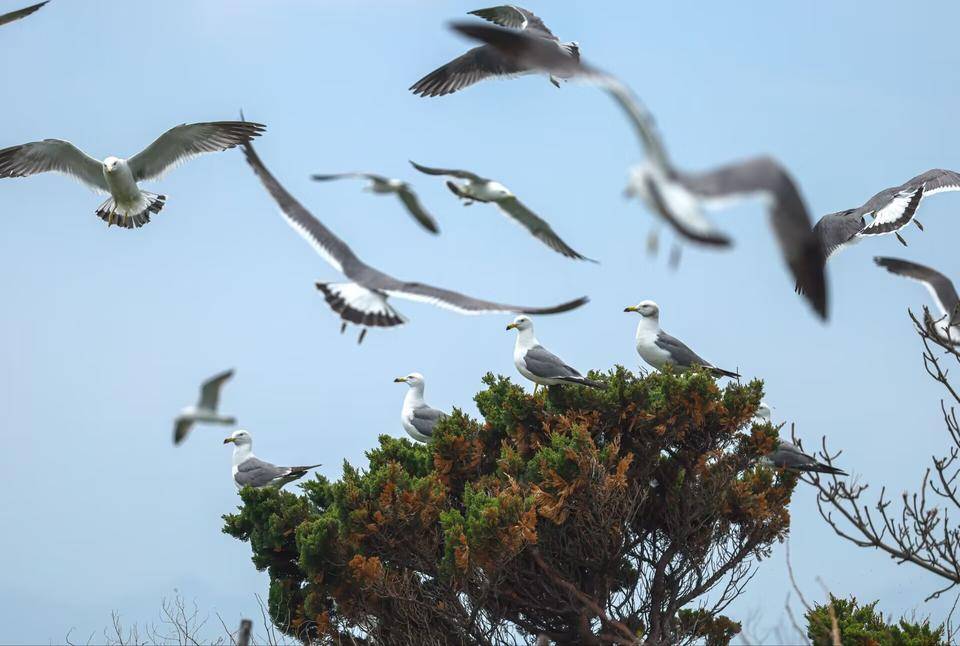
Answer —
363 300
386 186
474 188
941 289
20 13
128 206
486 61
205 411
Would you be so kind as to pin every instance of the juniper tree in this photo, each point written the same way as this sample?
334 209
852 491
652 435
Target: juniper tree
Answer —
588 516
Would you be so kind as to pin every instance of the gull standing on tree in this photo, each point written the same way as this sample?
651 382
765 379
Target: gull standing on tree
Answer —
20 13
128 207
480 189
250 471
788 456
941 289
363 300
417 418
206 409
538 364
385 186
487 61
660 350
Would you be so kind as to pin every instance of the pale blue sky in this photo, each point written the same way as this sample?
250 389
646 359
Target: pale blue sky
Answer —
105 334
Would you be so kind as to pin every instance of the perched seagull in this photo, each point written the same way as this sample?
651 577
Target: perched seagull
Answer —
363 300
250 471
941 289
416 417
788 456
20 13
206 409
480 189
487 61
128 207
764 413
538 364
383 186
659 349
892 209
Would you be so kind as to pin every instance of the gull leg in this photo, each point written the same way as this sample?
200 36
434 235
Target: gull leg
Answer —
553 79
674 257
917 222
363 333
900 238
343 327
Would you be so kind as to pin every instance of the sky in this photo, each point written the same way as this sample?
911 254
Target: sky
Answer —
105 334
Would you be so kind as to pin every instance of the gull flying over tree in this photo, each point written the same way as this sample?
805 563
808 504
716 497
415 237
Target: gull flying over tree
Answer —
487 61
128 206
892 209
20 13
480 189
538 364
660 350
364 299
941 289
250 471
205 410
384 186
788 456
417 418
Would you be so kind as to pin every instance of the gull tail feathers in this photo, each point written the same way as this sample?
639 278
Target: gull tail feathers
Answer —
823 468
583 381
113 214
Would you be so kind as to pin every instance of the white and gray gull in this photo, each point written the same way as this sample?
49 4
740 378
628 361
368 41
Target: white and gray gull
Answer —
788 456
205 411
660 350
417 418
538 364
487 61
941 289
128 206
250 471
480 189
20 13
386 186
363 300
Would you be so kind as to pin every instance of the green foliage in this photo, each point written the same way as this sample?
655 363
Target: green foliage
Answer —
861 625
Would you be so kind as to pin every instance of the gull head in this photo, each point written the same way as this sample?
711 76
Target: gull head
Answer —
413 379
111 164
521 323
239 438
764 412
646 309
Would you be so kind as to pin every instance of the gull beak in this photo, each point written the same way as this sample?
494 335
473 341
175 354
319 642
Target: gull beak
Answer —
632 308
512 326
400 380
229 440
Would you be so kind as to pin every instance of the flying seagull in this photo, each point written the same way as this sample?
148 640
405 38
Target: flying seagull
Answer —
417 419
659 349
383 186
250 471
892 209
941 289
363 300
20 13
128 207
487 61
538 364
480 189
206 409
788 456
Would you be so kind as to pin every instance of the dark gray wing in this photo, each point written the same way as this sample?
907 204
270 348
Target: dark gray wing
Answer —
641 120
789 456
940 287
544 363
937 180
210 390
788 216
20 13
837 229
681 354
528 52
53 155
181 427
415 209
371 176
515 17
186 141
424 419
254 472
517 211
461 174
458 302
896 213
472 67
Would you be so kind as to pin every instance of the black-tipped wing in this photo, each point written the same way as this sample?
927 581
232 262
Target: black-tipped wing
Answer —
896 214
416 210
183 142
543 363
451 172
53 155
789 456
210 390
514 17
940 287
799 245
524 51
462 303
641 119
20 13
181 428
371 176
472 67
254 472
424 419
517 211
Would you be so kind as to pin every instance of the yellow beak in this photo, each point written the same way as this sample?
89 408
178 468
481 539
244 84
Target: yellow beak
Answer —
632 308
229 440
512 326
400 380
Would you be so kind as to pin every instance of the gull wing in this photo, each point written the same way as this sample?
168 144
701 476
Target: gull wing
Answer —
514 17
371 176
52 155
20 13
186 141
460 174
940 287
472 67
537 226
210 390
416 210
